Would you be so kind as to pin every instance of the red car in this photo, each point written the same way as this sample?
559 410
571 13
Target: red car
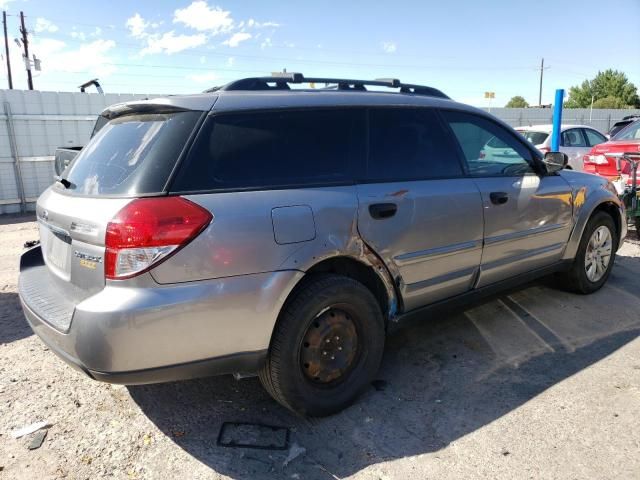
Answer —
599 162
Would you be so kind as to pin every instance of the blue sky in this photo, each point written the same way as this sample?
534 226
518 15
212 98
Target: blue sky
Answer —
463 47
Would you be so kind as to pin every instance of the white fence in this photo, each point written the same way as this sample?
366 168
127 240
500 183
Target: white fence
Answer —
601 119
33 124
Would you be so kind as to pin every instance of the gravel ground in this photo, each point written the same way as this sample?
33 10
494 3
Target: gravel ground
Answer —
536 384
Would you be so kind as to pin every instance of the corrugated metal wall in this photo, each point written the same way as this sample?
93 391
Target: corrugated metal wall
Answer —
44 121
601 119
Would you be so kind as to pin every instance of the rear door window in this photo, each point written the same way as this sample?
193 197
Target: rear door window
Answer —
274 149
573 138
593 137
409 144
131 155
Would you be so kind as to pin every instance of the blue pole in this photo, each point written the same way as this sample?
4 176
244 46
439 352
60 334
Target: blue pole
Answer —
557 120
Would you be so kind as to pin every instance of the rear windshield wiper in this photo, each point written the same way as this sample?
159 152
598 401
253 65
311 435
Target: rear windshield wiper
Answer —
65 183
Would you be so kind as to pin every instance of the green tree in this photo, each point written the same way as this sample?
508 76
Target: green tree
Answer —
517 102
609 102
611 85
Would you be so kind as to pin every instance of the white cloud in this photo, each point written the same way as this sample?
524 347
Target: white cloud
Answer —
251 23
44 25
171 43
79 35
389 47
203 77
4 3
137 26
236 38
93 57
231 61
201 17
266 43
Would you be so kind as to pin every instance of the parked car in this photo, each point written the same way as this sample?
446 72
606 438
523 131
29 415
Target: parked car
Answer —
497 150
599 161
575 140
258 229
627 120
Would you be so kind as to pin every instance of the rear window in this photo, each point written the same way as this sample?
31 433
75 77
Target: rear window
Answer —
274 149
536 138
131 155
630 132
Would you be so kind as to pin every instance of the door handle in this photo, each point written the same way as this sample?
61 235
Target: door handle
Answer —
382 210
499 198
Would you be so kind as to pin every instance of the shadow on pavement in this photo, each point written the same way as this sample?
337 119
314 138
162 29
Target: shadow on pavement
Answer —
12 219
441 379
13 325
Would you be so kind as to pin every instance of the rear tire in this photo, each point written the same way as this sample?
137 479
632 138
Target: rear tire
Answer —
326 347
594 259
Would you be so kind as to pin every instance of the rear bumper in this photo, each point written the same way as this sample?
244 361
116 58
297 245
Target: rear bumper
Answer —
158 333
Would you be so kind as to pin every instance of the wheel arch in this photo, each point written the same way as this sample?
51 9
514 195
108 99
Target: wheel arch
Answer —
610 206
368 270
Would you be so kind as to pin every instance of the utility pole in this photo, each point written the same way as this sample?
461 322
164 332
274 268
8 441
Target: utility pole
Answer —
25 44
6 49
540 92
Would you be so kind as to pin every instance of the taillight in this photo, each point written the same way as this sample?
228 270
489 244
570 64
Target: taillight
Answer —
147 231
595 159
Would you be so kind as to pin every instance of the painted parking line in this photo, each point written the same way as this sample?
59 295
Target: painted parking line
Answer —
510 339
579 320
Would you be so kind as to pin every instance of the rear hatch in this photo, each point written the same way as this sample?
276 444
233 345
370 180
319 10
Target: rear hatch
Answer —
132 156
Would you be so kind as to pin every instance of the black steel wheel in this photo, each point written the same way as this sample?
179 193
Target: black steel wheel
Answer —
326 347
329 349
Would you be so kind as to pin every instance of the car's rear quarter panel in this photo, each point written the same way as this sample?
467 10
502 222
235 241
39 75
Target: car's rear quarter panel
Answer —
241 238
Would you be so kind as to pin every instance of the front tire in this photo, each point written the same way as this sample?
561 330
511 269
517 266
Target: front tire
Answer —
326 347
595 256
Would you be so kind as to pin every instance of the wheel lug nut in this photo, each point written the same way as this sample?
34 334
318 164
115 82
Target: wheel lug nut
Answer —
337 338
324 352
339 348
327 341
333 358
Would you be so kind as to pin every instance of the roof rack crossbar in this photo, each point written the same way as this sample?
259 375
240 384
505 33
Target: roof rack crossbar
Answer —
281 81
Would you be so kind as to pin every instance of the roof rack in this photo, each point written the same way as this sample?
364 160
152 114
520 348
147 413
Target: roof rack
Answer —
281 81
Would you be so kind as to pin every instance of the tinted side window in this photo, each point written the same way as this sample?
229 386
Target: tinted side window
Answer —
573 138
271 149
489 149
593 137
409 144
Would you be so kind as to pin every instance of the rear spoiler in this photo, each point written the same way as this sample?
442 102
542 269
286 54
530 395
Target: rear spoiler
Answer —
145 106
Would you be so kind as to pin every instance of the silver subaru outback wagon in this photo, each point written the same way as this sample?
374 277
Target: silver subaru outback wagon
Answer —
264 228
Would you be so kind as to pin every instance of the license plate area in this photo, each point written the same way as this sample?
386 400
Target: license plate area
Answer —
56 246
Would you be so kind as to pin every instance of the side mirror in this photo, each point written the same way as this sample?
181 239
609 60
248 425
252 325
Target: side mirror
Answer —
555 161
